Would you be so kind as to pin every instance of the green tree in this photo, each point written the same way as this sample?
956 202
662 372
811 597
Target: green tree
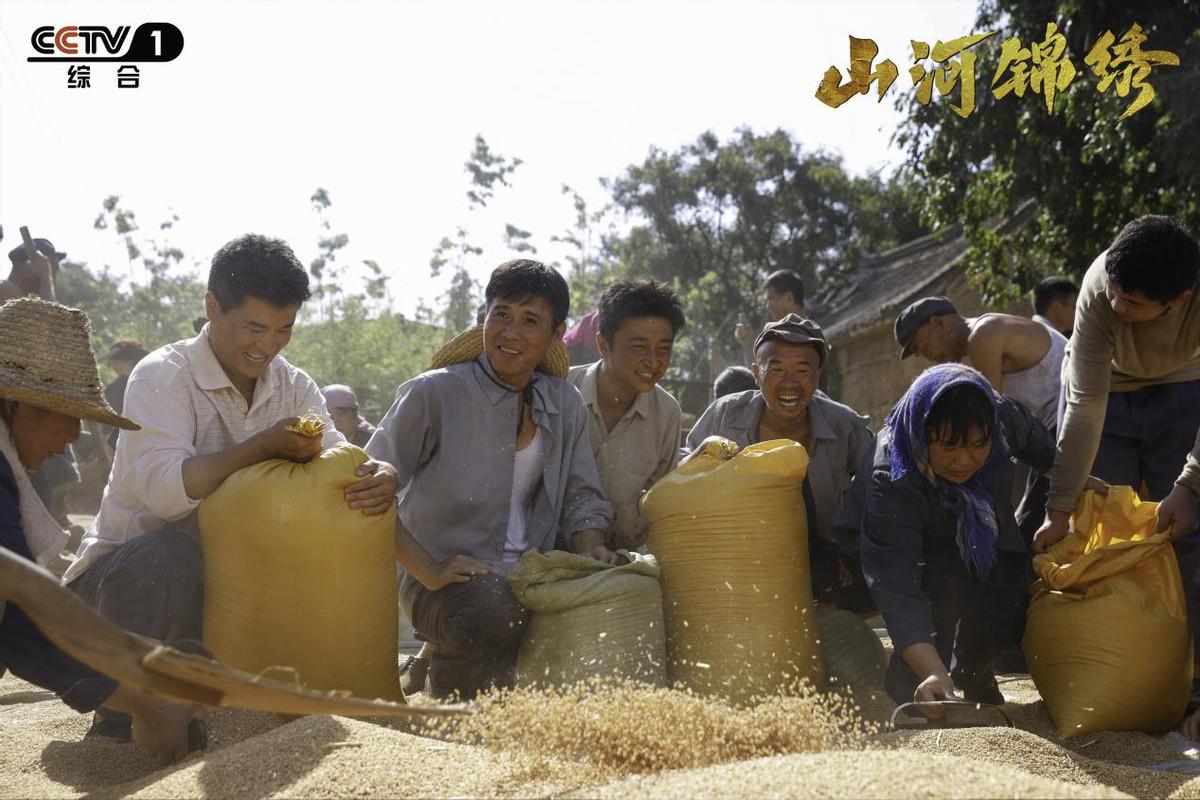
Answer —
488 170
325 269
590 262
160 309
716 218
1089 171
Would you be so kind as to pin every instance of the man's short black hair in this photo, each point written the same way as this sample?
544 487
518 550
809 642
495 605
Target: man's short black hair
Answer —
257 266
1155 255
957 413
785 280
1048 290
522 278
734 379
646 299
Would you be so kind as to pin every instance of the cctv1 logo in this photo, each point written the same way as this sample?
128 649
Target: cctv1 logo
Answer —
152 41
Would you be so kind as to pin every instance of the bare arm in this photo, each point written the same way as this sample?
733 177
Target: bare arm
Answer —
203 475
986 350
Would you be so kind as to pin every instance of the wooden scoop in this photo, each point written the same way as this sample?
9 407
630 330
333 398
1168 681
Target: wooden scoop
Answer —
158 669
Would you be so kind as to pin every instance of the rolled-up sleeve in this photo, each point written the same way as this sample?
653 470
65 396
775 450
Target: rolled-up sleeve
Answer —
156 453
584 505
891 548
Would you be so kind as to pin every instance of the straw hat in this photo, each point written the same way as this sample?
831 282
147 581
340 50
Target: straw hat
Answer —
46 360
468 345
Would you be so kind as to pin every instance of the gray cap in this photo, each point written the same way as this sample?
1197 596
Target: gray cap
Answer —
796 330
917 314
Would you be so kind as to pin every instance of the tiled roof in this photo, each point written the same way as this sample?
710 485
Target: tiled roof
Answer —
888 282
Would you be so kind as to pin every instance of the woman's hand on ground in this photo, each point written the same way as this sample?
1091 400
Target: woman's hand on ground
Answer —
937 686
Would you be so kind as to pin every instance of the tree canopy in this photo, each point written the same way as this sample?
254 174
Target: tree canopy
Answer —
1089 170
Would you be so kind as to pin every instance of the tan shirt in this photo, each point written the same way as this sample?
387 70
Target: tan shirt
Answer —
1106 355
640 449
187 406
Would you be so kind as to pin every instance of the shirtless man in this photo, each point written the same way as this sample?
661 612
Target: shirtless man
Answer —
1021 358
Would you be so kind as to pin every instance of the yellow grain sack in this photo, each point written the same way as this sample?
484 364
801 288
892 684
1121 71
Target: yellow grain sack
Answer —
730 533
1107 637
589 619
295 578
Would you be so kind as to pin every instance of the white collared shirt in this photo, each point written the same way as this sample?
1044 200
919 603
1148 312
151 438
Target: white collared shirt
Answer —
187 406
640 449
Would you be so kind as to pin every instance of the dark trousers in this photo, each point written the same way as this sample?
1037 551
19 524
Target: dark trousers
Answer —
152 585
1147 437
476 628
974 620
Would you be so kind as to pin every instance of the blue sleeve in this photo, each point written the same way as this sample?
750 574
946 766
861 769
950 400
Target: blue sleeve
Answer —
892 552
23 648
1029 441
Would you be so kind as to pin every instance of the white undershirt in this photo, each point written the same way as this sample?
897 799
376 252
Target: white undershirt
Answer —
527 469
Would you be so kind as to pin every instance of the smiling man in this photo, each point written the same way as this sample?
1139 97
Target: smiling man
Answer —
789 355
1132 386
209 406
494 459
634 423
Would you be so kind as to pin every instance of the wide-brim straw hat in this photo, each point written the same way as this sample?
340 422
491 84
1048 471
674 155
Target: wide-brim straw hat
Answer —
46 360
468 346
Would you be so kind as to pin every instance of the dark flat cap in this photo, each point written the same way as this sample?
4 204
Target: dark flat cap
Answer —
917 314
796 330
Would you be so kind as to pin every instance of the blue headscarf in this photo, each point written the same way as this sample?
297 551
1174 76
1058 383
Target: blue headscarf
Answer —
972 501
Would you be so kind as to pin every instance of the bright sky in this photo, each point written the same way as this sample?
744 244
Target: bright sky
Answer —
379 103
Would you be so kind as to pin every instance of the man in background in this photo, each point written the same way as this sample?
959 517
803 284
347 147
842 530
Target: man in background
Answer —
343 408
32 276
1054 304
783 293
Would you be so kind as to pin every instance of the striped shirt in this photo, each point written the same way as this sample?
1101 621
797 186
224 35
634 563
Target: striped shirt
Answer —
187 406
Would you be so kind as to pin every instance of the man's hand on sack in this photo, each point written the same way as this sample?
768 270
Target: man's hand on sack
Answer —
376 491
1053 530
455 569
1178 512
590 543
633 537
1058 523
278 442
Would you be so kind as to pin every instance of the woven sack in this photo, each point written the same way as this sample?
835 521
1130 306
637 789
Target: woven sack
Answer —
589 619
730 533
295 579
468 345
1107 638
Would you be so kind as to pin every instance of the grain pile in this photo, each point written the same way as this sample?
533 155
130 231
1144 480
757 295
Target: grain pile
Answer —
871 773
629 728
614 741
43 752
